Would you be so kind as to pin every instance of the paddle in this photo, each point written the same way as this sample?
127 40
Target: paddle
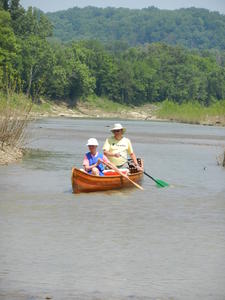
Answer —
111 166
160 183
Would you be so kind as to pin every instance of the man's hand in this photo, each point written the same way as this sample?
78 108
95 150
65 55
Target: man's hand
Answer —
117 155
139 168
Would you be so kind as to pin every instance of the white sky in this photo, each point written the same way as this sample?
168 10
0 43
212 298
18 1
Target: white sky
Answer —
54 5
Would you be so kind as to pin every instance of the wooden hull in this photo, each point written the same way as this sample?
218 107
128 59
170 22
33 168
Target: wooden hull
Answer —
83 182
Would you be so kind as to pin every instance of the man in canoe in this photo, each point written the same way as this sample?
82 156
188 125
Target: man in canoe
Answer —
117 148
93 160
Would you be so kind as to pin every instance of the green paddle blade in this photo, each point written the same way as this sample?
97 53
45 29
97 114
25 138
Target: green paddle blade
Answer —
161 183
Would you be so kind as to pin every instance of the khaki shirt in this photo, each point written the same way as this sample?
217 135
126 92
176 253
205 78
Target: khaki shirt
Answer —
123 147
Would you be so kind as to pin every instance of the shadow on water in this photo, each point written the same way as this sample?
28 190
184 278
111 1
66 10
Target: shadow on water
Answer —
39 159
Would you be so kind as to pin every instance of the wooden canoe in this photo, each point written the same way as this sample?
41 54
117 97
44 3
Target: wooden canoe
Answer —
84 182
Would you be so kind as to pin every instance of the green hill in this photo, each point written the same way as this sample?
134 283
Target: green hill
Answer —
192 27
148 73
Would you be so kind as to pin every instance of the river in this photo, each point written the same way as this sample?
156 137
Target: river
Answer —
166 243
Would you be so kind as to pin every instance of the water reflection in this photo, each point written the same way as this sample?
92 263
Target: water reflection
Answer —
38 159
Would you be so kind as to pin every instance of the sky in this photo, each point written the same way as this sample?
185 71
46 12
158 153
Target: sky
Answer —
55 5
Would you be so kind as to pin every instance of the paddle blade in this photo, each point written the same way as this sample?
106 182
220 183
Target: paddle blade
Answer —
161 183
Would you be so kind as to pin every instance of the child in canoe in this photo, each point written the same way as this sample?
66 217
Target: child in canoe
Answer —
93 160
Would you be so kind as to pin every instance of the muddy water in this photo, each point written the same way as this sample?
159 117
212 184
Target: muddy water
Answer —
156 244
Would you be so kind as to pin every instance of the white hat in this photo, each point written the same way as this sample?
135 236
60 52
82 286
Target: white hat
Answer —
118 127
92 142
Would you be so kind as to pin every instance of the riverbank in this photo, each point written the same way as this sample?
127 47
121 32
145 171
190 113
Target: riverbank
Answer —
10 155
94 107
193 113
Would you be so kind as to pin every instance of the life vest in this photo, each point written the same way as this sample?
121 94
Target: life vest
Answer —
93 160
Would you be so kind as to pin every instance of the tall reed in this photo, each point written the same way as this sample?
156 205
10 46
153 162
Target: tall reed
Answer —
13 122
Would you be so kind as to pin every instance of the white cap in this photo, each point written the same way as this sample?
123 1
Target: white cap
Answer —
92 142
118 127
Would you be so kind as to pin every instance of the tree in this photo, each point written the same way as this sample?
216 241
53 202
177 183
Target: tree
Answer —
45 27
31 22
15 9
192 27
37 65
8 52
4 4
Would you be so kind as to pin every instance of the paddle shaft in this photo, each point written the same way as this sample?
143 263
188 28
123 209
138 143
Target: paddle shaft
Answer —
156 181
162 183
111 166
137 185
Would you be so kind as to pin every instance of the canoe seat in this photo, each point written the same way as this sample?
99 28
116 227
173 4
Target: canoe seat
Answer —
114 173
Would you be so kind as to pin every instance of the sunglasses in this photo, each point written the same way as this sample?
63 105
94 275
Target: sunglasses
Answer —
117 130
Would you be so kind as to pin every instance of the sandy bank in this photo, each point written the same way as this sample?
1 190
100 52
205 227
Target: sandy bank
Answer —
9 155
85 110
145 112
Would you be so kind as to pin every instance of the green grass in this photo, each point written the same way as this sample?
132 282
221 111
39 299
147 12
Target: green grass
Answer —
14 101
21 102
42 107
192 112
106 104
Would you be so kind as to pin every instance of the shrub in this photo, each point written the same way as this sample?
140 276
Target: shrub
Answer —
14 119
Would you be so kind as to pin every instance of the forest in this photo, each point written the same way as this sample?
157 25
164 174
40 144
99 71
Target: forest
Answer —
34 62
191 27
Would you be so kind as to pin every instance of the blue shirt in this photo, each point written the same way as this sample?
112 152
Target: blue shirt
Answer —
93 160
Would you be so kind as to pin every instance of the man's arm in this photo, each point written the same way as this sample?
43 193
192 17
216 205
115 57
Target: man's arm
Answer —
107 152
131 153
110 154
133 157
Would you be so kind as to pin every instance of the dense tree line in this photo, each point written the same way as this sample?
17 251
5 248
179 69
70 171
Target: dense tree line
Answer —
192 27
32 64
